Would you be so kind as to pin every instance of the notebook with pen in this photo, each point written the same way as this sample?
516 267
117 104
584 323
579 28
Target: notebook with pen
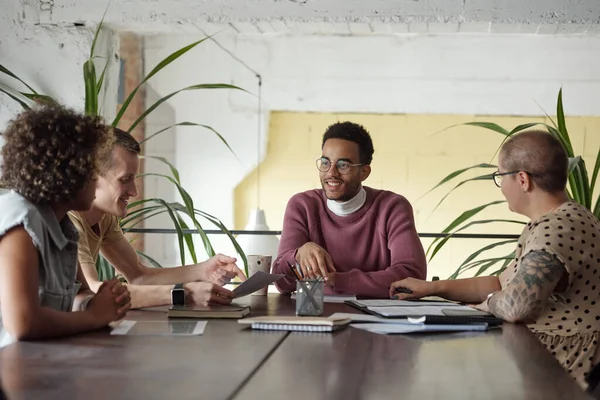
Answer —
432 312
301 324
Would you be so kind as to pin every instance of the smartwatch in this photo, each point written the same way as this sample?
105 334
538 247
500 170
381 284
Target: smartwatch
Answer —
178 295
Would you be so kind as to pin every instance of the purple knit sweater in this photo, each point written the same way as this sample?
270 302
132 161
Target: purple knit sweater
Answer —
370 249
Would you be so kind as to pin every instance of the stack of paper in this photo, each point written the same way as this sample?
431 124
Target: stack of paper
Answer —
386 329
437 310
372 323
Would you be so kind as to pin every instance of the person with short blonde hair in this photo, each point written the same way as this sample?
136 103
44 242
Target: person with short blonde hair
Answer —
100 232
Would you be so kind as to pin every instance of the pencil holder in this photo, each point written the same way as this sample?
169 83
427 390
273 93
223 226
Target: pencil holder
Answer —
309 297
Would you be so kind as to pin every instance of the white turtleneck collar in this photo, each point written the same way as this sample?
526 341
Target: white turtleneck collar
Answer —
348 207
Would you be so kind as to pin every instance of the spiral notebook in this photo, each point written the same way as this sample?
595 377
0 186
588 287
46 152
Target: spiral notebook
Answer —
301 324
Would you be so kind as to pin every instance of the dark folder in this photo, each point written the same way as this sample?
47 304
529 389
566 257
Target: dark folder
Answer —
451 316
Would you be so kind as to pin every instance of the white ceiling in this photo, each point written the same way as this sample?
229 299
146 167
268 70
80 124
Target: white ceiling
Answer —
345 17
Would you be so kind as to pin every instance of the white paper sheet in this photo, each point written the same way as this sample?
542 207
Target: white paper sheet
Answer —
359 318
333 298
256 282
370 318
405 303
414 328
404 311
159 328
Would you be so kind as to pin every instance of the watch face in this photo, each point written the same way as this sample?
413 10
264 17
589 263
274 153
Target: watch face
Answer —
178 297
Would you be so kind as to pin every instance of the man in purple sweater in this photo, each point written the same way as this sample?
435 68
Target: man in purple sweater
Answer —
358 239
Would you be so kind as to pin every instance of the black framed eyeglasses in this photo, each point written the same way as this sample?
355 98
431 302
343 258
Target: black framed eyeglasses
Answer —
498 176
342 166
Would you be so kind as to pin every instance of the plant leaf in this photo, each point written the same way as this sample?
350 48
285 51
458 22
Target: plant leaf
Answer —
595 172
101 79
189 207
458 172
516 129
175 221
560 117
166 61
477 178
167 97
224 229
507 260
15 98
188 240
40 98
462 228
91 96
154 263
6 71
135 221
193 124
466 216
174 170
133 214
475 254
489 125
104 268
554 132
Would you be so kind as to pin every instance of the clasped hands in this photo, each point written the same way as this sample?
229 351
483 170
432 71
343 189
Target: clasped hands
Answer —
315 262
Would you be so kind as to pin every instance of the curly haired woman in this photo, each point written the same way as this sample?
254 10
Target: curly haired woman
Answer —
50 159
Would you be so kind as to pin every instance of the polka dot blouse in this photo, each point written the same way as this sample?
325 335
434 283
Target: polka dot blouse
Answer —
570 323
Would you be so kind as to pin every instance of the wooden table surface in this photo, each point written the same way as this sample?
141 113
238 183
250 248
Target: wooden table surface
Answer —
100 366
230 362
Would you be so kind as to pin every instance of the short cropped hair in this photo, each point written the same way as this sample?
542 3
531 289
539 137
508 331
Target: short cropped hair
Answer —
355 133
52 152
540 154
123 139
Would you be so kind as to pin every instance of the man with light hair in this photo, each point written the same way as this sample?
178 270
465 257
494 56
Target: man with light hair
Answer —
100 233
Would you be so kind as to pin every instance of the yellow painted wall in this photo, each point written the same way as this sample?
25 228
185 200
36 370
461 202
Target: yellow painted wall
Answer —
411 157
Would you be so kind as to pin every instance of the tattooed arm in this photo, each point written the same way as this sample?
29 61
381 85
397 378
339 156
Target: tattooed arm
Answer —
525 296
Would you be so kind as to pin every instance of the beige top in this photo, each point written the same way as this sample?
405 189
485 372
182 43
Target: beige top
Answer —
89 241
570 323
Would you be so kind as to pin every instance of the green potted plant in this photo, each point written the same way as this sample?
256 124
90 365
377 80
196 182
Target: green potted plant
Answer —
580 188
144 209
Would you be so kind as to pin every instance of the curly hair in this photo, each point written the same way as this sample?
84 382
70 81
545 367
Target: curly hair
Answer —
354 133
51 153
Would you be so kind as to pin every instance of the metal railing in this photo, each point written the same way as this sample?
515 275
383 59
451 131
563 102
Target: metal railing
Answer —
244 232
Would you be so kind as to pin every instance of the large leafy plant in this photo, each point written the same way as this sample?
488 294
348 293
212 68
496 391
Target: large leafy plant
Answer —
144 209
580 188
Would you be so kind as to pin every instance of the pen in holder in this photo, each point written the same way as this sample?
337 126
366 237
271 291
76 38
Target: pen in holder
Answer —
309 297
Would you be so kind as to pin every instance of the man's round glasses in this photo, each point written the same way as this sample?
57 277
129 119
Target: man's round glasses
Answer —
498 176
343 167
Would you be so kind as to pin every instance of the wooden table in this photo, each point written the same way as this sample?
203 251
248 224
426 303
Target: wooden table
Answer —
228 362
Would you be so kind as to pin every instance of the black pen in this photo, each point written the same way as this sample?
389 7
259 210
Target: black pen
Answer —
401 289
